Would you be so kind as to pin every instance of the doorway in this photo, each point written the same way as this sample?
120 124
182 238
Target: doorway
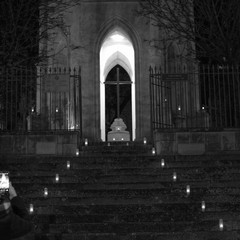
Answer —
117 52
118 98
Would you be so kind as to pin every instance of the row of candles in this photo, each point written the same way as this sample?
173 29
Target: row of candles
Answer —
188 189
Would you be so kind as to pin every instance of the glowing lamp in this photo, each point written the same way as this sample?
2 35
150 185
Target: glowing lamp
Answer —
174 176
122 139
68 164
86 142
203 107
56 109
203 206
31 209
144 140
57 178
77 152
221 226
114 139
32 110
179 108
45 192
153 151
188 190
162 163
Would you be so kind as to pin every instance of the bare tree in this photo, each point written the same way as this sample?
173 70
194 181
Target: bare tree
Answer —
212 25
24 24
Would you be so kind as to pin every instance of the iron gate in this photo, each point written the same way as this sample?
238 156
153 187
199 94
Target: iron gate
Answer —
40 99
208 98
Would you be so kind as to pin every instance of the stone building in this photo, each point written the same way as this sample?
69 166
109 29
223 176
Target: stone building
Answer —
103 36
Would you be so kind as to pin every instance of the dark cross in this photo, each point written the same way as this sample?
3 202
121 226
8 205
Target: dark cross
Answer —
118 83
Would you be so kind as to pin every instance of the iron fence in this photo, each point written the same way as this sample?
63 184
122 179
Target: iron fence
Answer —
207 98
40 99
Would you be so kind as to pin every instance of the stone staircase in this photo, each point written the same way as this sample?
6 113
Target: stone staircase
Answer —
124 192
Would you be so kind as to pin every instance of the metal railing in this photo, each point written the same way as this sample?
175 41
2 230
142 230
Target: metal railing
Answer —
207 98
40 99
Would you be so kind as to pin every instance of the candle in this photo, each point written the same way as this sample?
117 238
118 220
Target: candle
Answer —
162 163
86 142
144 140
188 189
77 152
31 209
203 206
153 151
221 224
174 176
45 192
68 164
57 178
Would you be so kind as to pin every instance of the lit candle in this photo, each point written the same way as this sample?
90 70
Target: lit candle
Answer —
77 152
31 209
188 189
32 109
174 176
203 107
179 108
153 151
144 140
203 206
57 178
68 164
45 192
86 142
56 109
162 163
221 224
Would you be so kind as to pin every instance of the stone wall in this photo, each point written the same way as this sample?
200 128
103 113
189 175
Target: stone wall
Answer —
196 143
49 144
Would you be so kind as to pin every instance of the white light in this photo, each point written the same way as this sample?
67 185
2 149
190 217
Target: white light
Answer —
203 107
174 176
118 128
162 162
56 109
68 164
114 139
77 152
221 224
203 206
117 37
31 209
57 178
32 109
153 151
86 142
179 108
144 140
122 139
45 192
188 189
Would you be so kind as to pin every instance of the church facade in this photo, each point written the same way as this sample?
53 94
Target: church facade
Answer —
113 46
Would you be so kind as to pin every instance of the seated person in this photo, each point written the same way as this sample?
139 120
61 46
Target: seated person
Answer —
14 217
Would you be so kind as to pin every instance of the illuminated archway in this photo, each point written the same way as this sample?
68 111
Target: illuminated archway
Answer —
116 48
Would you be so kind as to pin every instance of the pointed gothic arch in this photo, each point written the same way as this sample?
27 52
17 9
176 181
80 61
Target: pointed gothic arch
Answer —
120 25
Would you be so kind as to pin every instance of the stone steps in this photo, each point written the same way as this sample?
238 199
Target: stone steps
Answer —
116 194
